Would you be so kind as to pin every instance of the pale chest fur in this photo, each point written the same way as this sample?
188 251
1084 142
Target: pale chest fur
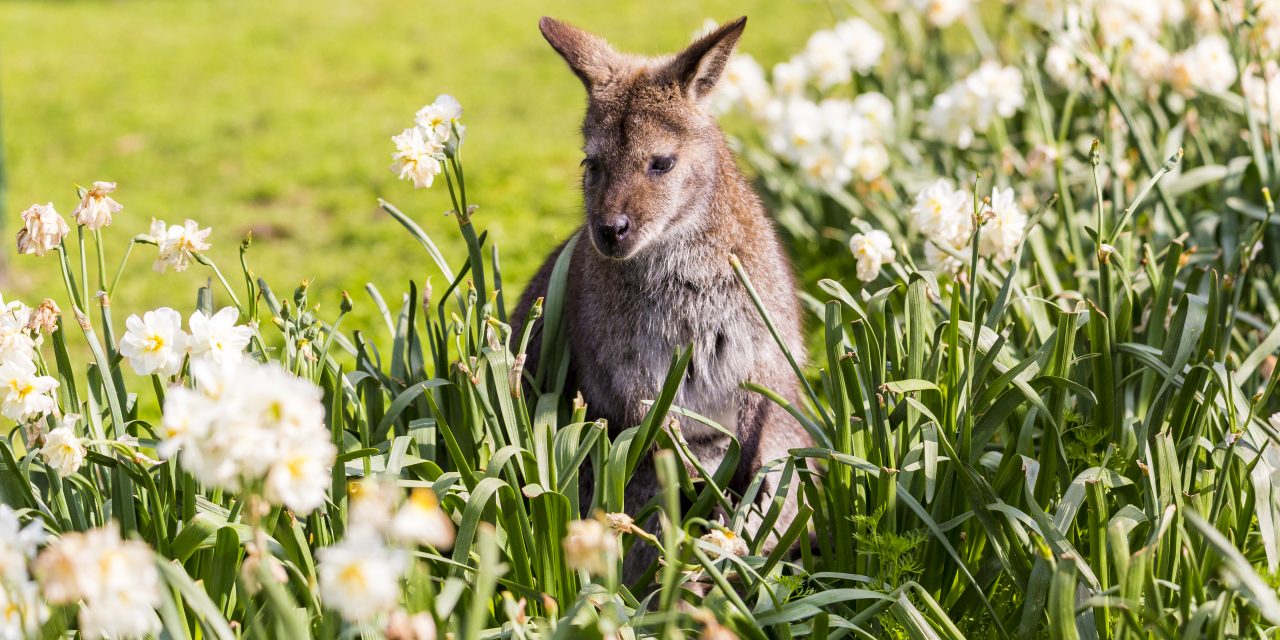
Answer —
623 355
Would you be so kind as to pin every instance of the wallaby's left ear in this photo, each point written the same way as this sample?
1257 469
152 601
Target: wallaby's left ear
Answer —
698 68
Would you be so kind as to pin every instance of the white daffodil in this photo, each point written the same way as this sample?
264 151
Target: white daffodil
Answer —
42 230
877 111
17 545
1206 66
97 206
155 343
798 126
938 259
248 422
114 580
439 119
187 414
1121 22
833 141
178 243
21 611
950 117
63 569
828 58
217 337
299 478
122 616
1148 61
360 577
790 78
846 131
872 250
1054 15
417 157
825 168
16 340
942 13
871 161
371 504
1266 28
1004 226
1263 91
403 626
728 543
24 394
997 90
591 546
943 212
972 105
863 44
1061 65
420 520
742 85
63 450
289 404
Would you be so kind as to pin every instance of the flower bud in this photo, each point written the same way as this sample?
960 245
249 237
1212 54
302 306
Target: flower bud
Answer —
300 294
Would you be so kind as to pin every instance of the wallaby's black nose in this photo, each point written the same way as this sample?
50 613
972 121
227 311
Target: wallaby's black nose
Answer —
610 230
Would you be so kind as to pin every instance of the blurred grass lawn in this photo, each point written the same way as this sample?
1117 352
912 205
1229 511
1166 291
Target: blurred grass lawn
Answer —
276 118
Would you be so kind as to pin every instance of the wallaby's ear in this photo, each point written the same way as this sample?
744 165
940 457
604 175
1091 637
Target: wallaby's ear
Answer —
589 56
698 67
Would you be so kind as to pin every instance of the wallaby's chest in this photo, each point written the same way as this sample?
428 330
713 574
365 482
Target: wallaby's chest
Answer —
636 327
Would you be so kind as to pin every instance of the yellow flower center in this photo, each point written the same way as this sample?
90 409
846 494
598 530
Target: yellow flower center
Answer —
23 389
153 343
424 499
353 576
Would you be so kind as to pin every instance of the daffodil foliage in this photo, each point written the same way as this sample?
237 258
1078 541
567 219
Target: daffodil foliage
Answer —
1041 400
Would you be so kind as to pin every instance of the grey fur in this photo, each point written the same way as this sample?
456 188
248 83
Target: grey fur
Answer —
669 282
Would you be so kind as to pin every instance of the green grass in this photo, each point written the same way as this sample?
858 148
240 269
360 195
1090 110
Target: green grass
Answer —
276 118
1063 445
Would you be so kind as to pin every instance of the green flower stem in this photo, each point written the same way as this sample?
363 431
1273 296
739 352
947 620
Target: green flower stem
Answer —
204 260
84 264
138 239
102 259
68 279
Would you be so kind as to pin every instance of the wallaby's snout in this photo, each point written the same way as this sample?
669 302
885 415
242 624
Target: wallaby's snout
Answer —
609 232
652 151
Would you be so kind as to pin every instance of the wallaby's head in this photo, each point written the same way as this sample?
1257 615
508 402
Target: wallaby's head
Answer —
652 150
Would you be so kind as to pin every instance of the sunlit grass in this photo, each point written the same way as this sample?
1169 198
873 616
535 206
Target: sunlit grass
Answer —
275 119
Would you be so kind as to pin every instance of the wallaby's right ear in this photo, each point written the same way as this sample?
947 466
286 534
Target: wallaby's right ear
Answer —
590 57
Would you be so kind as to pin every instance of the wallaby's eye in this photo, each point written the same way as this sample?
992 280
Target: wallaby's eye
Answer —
662 164
591 165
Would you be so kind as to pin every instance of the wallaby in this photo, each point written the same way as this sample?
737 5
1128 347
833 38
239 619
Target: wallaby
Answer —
666 207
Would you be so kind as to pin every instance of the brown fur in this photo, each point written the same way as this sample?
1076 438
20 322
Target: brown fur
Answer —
668 282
